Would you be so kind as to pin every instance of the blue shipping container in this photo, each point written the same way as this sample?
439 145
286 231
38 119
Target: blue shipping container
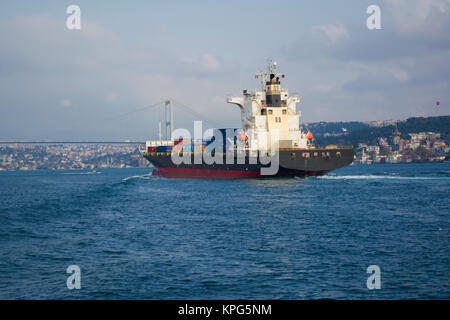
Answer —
188 148
163 148
224 138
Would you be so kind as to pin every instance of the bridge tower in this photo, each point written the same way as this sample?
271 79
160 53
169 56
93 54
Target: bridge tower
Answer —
169 118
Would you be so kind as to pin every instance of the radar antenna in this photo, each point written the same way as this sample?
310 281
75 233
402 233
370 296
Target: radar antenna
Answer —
272 68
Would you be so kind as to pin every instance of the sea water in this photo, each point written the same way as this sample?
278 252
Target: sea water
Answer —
135 236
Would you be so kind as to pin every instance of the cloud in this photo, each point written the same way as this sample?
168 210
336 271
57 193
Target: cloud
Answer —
332 32
41 61
399 74
324 88
209 62
65 103
409 29
419 17
396 69
342 70
112 96
205 62
42 44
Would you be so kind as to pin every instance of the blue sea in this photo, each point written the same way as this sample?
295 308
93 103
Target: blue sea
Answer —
135 236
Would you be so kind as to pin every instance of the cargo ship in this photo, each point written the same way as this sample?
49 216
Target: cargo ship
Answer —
269 144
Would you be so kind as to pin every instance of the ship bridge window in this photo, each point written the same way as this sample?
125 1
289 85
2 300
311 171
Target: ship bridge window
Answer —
338 154
284 111
263 112
270 111
325 155
305 155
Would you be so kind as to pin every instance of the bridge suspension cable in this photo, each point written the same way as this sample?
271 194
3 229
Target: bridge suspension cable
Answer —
140 109
195 113
178 104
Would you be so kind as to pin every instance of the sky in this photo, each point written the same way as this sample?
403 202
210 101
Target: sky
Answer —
57 83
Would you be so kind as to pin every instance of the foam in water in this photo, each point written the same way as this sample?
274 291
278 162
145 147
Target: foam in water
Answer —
144 176
366 177
82 173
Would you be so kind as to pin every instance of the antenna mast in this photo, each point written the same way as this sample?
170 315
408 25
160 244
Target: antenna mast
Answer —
272 68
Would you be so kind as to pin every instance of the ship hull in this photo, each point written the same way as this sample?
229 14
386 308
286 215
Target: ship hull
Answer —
300 163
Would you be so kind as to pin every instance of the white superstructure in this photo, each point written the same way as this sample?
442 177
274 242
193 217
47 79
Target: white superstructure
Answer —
269 115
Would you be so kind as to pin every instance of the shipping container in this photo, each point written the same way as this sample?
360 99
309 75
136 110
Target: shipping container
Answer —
164 148
181 141
223 139
188 148
177 148
199 148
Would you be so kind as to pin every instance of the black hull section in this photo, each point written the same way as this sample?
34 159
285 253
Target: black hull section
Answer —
302 163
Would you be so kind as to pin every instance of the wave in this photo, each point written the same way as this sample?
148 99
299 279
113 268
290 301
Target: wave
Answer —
380 177
81 173
444 173
144 176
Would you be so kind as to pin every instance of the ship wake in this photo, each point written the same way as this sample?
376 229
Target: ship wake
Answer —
379 177
144 176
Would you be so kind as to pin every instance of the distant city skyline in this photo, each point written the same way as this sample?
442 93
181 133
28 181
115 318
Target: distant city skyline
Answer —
75 84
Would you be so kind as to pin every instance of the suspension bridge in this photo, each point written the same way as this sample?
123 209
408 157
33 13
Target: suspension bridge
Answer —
168 123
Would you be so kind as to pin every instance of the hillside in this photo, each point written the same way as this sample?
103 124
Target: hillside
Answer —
321 128
359 132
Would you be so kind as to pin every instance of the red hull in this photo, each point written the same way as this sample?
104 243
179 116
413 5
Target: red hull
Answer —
225 174
204 173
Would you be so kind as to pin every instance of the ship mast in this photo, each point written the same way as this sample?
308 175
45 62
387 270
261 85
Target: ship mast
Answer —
272 69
